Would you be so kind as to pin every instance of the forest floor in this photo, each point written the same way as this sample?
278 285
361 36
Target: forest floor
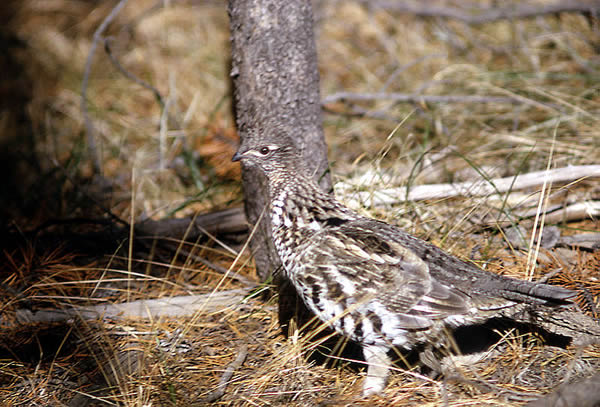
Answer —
151 110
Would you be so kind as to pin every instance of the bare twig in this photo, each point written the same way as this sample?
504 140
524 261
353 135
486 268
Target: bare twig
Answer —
130 26
180 306
398 71
360 112
589 241
413 98
579 210
389 196
227 374
553 214
230 221
547 277
165 117
516 11
89 126
131 76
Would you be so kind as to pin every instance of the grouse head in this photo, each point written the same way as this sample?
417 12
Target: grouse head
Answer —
270 157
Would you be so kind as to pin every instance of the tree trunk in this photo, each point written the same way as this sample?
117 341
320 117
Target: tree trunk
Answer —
276 88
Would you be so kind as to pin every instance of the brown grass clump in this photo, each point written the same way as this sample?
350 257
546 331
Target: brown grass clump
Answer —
171 158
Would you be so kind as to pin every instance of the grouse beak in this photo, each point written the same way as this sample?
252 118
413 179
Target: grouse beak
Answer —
236 157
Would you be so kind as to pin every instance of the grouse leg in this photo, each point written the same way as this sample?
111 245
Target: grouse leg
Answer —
379 366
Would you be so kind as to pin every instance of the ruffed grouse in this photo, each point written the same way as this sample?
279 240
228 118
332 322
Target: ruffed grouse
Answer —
371 281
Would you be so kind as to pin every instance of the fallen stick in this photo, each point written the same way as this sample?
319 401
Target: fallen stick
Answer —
230 221
482 16
554 214
492 186
181 306
227 374
413 98
589 241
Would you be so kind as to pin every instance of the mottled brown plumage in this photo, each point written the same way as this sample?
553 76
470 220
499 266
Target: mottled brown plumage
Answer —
371 281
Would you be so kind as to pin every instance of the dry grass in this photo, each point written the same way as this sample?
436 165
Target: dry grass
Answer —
176 163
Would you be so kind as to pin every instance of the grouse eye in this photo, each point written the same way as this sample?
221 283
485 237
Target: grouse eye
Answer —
264 150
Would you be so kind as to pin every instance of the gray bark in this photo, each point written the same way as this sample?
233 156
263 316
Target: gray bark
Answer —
276 89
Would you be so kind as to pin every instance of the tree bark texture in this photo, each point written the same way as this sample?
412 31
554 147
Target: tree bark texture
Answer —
276 89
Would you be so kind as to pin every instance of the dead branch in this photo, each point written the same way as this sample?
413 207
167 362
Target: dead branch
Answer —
89 126
577 211
420 99
227 374
229 224
230 221
585 240
175 307
483 16
356 111
129 75
401 69
554 214
488 187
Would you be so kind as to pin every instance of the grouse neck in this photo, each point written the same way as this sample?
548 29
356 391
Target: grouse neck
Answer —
302 205
284 182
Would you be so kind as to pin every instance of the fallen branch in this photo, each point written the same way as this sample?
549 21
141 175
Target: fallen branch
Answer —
580 210
230 221
554 214
129 75
513 12
227 374
589 241
356 111
229 225
576 211
492 186
414 98
181 306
